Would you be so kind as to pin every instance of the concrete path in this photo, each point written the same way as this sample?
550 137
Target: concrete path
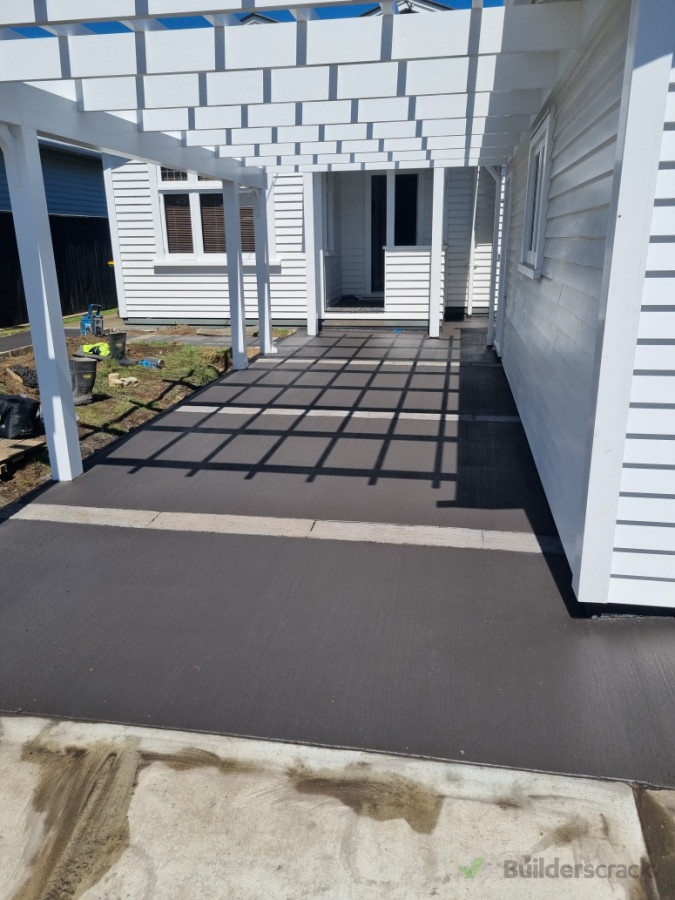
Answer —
102 812
344 545
12 343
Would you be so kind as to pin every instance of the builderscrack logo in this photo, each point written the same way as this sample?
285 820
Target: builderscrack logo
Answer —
542 868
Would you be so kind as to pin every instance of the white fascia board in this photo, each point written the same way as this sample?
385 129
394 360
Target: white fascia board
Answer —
60 118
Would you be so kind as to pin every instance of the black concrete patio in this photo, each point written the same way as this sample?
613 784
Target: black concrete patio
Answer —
473 655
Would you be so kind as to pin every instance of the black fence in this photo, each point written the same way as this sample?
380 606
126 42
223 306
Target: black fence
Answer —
82 251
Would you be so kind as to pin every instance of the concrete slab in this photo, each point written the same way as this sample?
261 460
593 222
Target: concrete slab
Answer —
430 651
102 812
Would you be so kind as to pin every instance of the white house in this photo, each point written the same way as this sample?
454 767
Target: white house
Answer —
373 153
171 264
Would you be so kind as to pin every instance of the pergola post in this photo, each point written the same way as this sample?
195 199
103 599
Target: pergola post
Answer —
472 246
262 270
235 273
313 256
496 174
38 271
503 265
436 261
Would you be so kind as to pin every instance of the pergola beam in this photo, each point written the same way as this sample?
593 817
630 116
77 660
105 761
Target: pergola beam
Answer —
155 50
60 118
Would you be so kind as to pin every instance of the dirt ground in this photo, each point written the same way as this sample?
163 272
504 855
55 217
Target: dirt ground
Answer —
116 410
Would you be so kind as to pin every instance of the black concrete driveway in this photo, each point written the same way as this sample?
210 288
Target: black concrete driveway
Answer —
474 655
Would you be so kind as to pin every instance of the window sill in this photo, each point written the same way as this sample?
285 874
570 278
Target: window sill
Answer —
218 262
529 271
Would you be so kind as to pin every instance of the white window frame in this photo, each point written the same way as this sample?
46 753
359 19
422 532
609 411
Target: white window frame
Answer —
193 187
536 200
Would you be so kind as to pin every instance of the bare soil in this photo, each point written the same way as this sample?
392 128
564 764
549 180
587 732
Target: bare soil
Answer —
116 410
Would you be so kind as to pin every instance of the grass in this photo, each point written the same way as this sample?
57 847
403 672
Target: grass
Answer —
5 332
70 320
75 320
117 409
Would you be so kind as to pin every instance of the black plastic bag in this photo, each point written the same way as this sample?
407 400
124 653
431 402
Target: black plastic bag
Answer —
18 417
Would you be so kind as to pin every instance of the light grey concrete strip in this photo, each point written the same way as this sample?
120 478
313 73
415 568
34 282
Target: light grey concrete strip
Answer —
86 515
183 814
381 533
398 362
421 417
223 524
372 414
267 526
521 542
240 410
194 408
341 413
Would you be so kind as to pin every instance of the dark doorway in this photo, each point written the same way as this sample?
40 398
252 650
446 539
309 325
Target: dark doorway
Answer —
405 221
378 231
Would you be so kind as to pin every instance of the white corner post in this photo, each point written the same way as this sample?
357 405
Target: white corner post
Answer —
235 273
436 261
262 269
641 125
38 271
313 250
496 174
472 245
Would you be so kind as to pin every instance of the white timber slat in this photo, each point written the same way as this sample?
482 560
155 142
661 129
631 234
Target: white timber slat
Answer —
641 592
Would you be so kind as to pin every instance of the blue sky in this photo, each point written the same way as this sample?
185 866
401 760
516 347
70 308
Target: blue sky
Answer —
328 12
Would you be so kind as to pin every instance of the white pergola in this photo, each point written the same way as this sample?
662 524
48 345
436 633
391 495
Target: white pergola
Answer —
387 92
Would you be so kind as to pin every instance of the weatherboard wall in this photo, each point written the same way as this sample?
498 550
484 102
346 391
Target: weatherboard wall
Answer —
643 563
154 287
551 322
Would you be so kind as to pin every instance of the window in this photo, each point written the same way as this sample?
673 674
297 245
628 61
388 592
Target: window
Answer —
536 201
193 220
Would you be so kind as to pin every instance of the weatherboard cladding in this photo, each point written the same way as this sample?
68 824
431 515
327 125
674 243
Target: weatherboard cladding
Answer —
73 184
643 563
552 322
154 291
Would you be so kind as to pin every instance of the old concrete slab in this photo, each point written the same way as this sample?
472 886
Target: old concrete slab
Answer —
102 812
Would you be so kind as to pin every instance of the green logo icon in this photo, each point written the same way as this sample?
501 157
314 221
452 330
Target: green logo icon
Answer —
472 870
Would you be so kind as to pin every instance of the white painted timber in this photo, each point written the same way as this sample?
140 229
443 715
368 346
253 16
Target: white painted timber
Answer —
61 118
436 268
262 271
196 289
350 202
551 323
441 43
459 204
647 484
407 273
31 222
